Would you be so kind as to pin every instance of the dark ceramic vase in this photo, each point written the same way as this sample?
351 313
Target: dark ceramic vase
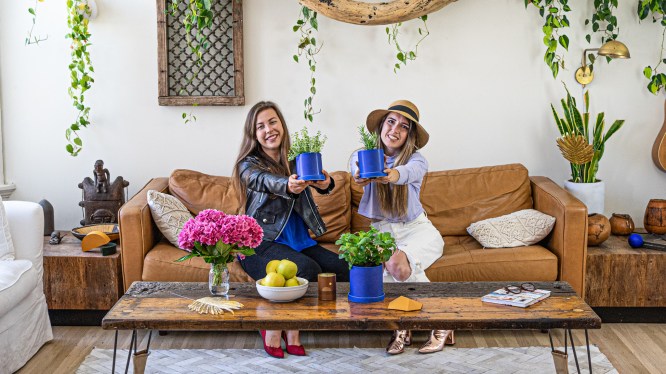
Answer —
655 217
598 229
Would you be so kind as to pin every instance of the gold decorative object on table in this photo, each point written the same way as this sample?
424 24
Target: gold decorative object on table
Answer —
575 149
111 230
214 305
405 304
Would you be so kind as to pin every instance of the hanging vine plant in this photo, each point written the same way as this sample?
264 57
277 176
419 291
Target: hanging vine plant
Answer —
80 69
198 16
555 20
655 8
30 39
410 55
307 25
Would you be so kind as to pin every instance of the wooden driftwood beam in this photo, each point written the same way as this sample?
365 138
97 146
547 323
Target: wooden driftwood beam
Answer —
385 13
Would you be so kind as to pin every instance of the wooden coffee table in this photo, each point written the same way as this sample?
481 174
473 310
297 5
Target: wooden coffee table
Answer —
453 306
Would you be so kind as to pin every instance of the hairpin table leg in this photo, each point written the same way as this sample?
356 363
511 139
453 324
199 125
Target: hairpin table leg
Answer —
115 346
573 348
587 343
560 359
141 357
129 352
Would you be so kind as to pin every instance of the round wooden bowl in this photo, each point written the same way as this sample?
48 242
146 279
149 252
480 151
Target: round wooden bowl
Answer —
110 229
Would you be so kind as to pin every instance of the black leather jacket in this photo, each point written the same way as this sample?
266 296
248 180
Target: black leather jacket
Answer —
269 202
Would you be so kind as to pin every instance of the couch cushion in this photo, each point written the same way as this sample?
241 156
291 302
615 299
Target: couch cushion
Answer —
454 199
160 265
334 207
17 279
464 260
169 214
524 227
199 191
6 245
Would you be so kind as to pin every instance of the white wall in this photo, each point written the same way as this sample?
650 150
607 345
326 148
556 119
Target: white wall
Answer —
479 81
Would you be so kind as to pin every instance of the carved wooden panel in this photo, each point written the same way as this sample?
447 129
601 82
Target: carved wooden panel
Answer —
219 78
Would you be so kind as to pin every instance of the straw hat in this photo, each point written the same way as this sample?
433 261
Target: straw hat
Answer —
407 109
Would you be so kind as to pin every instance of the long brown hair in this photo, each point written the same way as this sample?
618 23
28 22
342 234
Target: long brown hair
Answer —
393 197
250 146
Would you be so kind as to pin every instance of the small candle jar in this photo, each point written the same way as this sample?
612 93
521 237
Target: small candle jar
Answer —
326 286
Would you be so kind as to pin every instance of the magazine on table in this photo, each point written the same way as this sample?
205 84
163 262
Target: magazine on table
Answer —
523 299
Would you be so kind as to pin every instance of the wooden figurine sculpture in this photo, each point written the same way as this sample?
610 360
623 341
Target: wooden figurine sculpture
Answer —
101 199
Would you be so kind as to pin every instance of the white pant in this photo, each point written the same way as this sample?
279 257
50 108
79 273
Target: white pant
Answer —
419 240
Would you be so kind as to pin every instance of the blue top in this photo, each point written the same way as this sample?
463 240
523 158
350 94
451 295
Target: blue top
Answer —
295 234
411 174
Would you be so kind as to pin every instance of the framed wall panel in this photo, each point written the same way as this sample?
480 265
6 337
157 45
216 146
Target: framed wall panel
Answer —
219 79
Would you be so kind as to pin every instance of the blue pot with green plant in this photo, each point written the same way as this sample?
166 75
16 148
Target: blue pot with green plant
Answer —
371 158
365 252
305 150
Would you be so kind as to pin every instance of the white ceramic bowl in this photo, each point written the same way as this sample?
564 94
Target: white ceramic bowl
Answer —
283 294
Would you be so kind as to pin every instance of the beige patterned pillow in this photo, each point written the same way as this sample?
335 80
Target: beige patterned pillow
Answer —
521 228
169 214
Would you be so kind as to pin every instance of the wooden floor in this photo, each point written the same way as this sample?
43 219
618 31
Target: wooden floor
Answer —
632 348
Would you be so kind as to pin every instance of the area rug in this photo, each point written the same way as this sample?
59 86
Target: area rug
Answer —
528 360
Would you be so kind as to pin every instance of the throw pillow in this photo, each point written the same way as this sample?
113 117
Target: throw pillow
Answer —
521 228
6 245
169 214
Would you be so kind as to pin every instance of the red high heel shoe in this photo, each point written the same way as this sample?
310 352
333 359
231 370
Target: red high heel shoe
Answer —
272 351
296 350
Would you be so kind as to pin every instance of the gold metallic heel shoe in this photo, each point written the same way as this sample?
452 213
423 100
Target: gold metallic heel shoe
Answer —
437 340
399 340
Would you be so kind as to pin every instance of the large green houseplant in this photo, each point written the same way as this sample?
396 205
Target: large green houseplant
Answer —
365 252
582 148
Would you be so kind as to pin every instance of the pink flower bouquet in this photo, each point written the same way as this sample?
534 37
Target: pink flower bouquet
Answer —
218 238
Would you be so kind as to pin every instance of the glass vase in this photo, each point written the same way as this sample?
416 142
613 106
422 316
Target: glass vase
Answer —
218 279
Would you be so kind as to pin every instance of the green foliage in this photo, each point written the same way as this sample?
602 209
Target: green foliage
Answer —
80 70
403 56
219 253
574 123
366 248
368 139
30 39
555 20
656 9
603 21
307 46
302 142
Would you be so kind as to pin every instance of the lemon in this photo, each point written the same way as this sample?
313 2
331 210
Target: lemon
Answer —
291 282
274 280
272 266
287 268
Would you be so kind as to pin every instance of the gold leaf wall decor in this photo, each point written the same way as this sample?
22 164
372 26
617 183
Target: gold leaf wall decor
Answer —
575 149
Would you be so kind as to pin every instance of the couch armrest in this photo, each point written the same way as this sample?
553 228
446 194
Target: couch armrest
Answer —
568 240
138 231
26 225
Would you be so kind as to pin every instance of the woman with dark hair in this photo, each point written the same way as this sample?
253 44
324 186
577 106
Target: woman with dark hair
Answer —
392 204
283 206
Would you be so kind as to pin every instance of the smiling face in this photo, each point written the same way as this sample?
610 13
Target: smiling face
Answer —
269 132
395 131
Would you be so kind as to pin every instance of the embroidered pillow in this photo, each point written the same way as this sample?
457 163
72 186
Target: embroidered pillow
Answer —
521 228
169 214
6 245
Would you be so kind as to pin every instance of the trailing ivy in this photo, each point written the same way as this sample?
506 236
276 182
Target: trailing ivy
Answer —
30 39
403 56
603 21
306 25
555 20
80 70
656 9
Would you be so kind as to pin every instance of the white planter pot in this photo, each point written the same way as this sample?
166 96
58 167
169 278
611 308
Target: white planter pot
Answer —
591 194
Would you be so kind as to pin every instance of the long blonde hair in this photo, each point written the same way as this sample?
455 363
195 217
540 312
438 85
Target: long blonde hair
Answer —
393 197
251 146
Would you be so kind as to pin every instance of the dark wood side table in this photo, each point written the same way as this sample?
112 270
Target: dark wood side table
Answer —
77 280
620 276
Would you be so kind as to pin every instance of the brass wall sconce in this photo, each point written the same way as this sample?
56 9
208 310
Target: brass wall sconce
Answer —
612 49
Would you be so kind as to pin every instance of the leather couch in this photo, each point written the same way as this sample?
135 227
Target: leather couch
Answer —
452 199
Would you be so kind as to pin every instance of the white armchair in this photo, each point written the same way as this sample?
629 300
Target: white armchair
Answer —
24 319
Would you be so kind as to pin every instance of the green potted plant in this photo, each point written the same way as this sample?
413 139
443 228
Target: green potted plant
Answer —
365 252
371 157
583 150
306 150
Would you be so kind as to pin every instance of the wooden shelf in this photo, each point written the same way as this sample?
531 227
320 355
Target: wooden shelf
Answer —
79 280
620 276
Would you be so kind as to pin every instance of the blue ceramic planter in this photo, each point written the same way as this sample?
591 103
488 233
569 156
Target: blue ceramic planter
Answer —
308 167
371 163
366 284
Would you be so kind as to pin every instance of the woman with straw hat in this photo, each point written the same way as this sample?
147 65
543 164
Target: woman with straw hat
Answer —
392 203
